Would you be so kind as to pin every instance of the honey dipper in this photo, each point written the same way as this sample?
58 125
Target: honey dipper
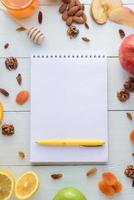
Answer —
33 33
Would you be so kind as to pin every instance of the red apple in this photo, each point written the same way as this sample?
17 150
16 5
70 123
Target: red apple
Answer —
126 54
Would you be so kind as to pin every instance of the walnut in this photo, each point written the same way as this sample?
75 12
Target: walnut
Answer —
129 85
8 129
72 32
129 171
123 95
11 63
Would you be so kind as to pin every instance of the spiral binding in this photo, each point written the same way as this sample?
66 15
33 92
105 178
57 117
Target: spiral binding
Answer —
70 56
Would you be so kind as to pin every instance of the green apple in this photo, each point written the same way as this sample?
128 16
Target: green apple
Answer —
69 193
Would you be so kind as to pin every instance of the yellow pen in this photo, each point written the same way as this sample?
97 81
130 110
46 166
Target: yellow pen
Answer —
85 143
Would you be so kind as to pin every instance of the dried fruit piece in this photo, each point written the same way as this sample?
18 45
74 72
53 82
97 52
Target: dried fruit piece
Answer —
86 25
123 95
106 189
98 12
72 32
129 116
62 8
131 136
85 39
123 15
20 29
21 155
117 187
19 79
4 92
40 17
1 112
11 63
8 129
122 33
6 45
56 176
109 178
22 97
91 172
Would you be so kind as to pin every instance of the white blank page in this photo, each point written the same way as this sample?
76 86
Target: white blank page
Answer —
68 101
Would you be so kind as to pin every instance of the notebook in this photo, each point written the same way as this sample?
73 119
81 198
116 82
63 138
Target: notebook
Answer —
68 101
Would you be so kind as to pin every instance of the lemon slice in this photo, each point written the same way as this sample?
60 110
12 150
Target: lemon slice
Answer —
6 185
27 185
1 112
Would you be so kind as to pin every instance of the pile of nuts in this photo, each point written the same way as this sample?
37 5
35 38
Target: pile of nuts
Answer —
72 12
128 87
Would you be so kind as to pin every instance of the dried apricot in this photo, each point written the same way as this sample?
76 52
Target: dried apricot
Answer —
132 136
109 178
106 189
22 97
118 187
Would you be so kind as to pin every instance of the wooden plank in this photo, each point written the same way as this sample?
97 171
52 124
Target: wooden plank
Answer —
75 176
120 147
104 37
116 78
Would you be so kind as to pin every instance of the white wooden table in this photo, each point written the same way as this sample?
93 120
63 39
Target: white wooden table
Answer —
120 149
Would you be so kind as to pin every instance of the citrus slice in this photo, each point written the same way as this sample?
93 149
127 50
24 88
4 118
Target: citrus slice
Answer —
1 112
6 185
27 185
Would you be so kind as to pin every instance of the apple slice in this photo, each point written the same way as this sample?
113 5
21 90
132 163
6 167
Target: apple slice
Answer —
123 15
100 9
111 5
98 12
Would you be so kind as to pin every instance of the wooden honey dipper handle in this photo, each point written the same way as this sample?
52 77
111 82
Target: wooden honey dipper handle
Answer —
33 33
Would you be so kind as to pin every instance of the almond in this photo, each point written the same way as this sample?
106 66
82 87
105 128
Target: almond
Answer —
77 3
62 8
56 176
71 4
91 172
73 10
79 13
22 97
66 1
4 92
78 20
69 21
65 15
